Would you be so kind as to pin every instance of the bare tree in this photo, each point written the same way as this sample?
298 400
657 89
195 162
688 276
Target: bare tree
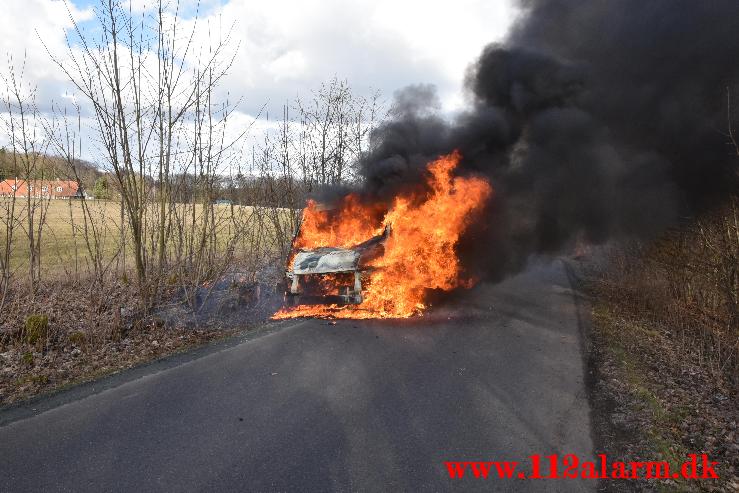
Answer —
95 229
147 84
28 149
321 146
731 131
334 128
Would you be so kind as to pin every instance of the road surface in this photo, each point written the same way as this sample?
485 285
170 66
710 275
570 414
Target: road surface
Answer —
309 406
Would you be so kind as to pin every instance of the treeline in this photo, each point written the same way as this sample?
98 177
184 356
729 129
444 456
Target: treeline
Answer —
47 167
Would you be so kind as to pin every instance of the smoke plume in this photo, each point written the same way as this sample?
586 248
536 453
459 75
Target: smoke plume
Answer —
593 119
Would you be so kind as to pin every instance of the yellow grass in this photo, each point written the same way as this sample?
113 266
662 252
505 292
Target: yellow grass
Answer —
64 248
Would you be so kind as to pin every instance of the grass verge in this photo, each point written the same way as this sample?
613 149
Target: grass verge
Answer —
652 403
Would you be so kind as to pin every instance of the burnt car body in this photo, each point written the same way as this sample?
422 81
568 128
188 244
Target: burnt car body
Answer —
331 275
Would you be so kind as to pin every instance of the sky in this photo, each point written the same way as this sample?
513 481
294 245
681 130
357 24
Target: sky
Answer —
286 48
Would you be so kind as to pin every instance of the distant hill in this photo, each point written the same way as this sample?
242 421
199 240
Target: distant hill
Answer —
45 167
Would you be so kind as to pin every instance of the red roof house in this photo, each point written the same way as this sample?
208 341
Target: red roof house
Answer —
55 189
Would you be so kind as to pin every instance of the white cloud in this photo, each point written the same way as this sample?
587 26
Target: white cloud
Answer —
28 25
290 65
28 28
288 47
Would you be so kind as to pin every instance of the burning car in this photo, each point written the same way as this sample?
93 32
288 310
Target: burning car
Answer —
331 275
369 258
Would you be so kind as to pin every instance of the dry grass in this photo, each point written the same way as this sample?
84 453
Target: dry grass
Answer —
64 247
664 350
86 339
85 325
687 283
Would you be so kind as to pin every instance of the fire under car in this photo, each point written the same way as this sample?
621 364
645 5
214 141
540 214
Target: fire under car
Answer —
331 275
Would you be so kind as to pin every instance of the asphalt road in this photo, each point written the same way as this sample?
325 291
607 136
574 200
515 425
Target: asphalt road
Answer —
309 406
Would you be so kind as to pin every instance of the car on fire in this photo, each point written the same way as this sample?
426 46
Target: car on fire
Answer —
331 275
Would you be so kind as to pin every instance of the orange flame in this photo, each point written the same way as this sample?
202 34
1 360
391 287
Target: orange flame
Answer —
419 254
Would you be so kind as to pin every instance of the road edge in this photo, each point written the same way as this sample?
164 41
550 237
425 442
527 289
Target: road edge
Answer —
598 412
42 403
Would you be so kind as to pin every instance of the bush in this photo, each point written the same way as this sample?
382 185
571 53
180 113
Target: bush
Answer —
37 327
686 284
39 379
27 358
100 190
77 337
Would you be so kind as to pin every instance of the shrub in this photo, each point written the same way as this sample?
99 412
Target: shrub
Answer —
37 326
77 337
686 285
39 379
100 190
27 358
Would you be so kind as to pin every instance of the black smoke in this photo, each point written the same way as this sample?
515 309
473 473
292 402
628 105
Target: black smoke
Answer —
594 119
